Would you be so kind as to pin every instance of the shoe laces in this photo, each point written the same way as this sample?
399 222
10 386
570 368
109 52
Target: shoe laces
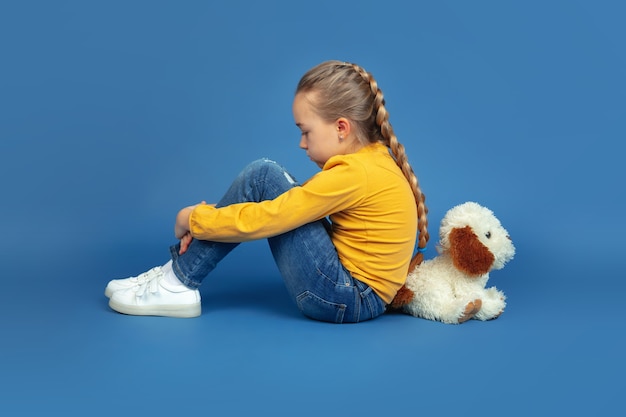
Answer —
148 281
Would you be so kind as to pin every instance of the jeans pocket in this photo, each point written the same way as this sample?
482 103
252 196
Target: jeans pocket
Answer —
371 304
317 308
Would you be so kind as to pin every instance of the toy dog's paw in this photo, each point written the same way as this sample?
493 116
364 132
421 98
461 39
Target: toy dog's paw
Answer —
502 298
402 298
471 309
497 315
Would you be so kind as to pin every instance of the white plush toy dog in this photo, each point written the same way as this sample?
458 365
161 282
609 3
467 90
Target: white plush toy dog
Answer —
451 287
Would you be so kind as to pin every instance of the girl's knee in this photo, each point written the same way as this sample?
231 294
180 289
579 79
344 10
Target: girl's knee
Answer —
266 167
262 165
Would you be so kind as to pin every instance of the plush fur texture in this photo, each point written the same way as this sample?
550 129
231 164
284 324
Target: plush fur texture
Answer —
451 287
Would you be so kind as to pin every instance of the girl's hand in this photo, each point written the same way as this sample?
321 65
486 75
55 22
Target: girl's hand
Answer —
185 241
181 227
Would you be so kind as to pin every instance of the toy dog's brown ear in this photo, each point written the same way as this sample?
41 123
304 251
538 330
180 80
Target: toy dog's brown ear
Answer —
468 253
403 297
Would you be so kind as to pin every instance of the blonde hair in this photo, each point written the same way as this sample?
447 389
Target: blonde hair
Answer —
343 89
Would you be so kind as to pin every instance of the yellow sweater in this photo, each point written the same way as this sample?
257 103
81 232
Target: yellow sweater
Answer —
370 205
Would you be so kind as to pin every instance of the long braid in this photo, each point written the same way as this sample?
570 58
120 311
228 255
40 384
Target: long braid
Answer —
397 149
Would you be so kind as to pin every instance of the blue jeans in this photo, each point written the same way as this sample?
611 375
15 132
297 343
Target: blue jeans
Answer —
306 257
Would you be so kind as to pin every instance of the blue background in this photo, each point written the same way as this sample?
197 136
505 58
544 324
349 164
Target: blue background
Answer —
115 114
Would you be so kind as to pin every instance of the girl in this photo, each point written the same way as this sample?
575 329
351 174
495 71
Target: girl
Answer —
344 270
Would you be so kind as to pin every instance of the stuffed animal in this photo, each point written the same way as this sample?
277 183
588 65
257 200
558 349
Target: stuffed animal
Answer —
451 287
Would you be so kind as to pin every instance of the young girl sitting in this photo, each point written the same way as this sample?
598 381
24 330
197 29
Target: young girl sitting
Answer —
343 241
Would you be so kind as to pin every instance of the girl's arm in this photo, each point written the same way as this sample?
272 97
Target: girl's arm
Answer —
329 191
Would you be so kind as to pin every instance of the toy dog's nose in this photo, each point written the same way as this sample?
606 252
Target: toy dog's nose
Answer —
508 237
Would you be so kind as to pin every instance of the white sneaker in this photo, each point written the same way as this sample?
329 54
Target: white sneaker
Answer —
151 295
126 283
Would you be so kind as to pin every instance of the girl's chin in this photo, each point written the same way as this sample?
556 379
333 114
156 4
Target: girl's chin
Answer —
319 164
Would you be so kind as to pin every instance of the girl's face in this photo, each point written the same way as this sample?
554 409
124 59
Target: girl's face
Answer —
320 139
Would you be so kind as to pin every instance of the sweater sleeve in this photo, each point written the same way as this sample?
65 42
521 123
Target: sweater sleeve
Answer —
337 187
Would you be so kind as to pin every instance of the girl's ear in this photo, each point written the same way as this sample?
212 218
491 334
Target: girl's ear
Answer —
344 127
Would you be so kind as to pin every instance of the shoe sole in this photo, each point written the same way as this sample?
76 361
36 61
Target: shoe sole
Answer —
185 311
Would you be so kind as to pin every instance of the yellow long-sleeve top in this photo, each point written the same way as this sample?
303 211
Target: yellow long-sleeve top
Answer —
370 205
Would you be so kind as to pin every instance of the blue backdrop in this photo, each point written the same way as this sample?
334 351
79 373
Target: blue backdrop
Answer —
115 114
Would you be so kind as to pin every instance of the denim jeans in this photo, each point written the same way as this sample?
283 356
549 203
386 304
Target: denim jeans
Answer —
306 257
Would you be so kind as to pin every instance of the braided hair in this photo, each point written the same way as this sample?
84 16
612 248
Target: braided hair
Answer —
347 90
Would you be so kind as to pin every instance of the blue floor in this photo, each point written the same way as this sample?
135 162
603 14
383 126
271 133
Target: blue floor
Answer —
113 115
